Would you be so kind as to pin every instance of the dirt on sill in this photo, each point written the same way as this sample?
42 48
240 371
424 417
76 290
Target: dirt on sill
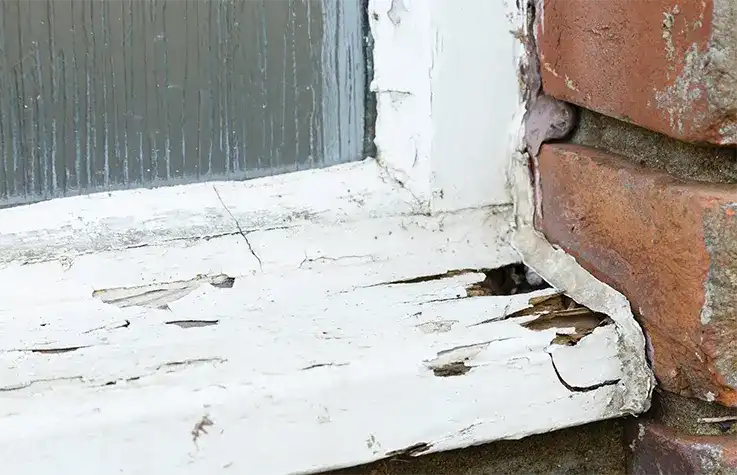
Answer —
593 448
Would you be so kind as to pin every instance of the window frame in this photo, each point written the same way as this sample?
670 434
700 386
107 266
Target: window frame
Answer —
423 165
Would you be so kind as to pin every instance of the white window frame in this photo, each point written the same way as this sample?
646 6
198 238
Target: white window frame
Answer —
331 363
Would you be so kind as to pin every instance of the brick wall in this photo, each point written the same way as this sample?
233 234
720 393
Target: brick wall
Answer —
644 195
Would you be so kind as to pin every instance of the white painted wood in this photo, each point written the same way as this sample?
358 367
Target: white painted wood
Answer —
446 89
578 371
316 355
402 47
66 227
474 85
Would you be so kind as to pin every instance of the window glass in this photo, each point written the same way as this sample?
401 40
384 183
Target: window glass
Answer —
107 94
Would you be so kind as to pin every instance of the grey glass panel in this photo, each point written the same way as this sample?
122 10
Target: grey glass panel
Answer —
106 94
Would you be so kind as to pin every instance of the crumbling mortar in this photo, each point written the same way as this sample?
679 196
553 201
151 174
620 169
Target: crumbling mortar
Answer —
545 118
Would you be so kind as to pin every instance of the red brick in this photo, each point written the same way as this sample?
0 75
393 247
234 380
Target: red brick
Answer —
667 65
658 449
669 246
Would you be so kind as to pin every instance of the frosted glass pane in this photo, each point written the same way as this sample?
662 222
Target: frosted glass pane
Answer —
107 94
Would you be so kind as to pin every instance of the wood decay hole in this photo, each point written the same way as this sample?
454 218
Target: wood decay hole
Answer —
555 311
560 311
456 368
511 279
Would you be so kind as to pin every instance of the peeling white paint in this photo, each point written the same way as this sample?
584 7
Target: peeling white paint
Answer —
328 353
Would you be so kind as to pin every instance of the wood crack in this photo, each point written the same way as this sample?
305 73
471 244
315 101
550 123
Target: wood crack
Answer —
323 365
411 451
579 389
240 229
422 205
428 278
192 323
18 387
510 279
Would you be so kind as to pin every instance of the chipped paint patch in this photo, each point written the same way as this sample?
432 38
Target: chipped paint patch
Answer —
455 361
442 326
192 323
396 11
200 428
159 295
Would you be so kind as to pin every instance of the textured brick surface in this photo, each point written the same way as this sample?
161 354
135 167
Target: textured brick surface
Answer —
657 449
667 65
669 246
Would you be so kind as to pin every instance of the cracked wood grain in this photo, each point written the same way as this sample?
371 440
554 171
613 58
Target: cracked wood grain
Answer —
240 229
572 388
